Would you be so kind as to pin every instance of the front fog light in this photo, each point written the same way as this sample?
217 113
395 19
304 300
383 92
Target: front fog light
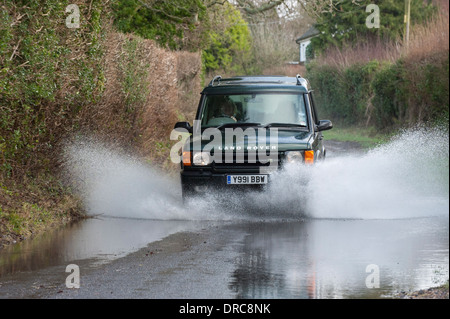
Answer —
294 157
202 159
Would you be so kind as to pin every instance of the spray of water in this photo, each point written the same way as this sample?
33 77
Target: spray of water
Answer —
114 183
408 177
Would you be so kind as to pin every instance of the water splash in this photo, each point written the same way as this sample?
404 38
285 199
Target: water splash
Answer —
114 183
408 177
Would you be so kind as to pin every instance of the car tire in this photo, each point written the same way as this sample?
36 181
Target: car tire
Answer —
187 192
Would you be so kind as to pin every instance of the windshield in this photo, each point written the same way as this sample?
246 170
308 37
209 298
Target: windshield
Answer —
259 109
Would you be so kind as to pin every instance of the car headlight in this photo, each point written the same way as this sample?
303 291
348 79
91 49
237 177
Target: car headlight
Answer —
201 159
294 157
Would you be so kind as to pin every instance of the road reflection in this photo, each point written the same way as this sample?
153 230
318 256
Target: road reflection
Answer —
102 238
329 258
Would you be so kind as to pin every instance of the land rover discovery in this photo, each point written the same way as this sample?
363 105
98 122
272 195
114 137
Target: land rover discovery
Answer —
245 129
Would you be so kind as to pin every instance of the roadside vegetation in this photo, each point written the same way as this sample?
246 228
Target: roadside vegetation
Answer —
47 77
366 137
376 79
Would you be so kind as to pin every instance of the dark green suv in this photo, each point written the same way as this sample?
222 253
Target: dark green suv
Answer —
245 129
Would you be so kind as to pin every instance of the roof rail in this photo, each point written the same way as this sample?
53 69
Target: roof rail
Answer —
302 81
216 78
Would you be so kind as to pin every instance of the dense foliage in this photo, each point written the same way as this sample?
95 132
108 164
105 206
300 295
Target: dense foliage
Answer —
42 60
229 47
384 94
346 23
162 20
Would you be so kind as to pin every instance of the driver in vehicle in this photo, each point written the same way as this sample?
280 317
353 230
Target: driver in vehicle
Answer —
225 113
227 109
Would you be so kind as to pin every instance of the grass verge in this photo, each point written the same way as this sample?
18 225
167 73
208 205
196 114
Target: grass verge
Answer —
367 137
34 206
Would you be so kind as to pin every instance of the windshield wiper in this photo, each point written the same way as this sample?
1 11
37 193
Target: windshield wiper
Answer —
237 124
285 125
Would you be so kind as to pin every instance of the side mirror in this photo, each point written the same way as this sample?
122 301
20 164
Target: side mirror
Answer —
183 126
324 125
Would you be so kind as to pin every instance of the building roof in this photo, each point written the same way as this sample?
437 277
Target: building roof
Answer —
310 33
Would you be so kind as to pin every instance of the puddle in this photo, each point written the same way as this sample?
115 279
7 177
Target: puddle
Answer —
342 258
103 239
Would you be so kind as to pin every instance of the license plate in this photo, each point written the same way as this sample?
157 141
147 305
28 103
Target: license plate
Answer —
247 179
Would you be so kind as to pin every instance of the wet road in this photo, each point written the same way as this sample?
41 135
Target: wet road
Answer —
299 257
295 259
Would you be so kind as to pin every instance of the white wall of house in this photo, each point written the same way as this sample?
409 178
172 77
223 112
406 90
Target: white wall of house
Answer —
303 45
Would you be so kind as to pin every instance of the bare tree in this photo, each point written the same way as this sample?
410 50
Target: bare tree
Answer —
313 8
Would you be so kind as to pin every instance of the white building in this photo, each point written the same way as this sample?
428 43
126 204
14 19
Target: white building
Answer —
304 41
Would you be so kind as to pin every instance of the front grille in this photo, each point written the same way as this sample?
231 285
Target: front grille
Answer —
245 163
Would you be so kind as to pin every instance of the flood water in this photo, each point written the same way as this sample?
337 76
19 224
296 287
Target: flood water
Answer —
100 239
310 258
334 258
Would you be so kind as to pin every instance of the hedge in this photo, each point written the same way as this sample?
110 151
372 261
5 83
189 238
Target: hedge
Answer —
383 94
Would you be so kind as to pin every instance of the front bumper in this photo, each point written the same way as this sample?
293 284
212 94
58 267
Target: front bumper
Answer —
200 181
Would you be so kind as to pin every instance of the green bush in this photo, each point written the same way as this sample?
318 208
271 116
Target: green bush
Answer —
389 95
48 73
346 22
358 92
328 84
433 91
386 94
229 45
163 21
343 94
